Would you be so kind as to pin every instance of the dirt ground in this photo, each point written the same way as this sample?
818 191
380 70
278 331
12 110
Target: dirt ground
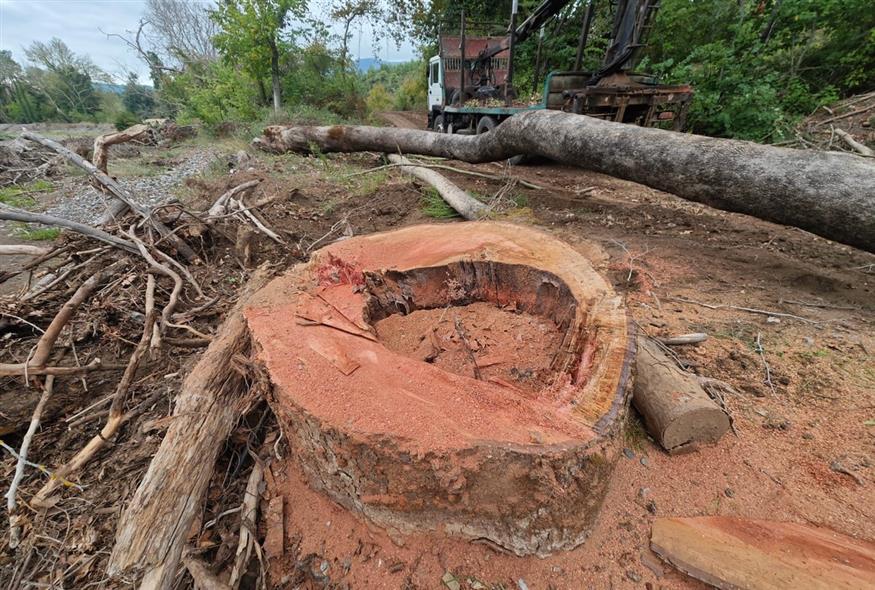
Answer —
790 322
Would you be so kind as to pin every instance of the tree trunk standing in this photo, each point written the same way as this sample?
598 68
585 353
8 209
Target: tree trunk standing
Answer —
275 76
826 193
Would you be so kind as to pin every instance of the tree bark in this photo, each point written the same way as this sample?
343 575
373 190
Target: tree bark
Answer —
826 193
677 411
153 529
275 76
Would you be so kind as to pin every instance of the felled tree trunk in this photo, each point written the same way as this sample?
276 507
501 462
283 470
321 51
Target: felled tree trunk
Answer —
102 143
153 529
826 193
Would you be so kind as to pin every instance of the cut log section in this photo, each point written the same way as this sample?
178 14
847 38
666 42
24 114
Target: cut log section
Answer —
677 411
153 529
734 553
826 193
414 445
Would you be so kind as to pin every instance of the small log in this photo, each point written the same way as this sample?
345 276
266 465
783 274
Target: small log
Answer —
677 411
466 205
694 338
22 250
854 144
103 142
153 529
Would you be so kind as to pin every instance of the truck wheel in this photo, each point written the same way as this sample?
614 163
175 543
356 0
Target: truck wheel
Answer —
487 124
439 124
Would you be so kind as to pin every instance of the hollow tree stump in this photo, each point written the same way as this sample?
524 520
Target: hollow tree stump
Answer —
412 446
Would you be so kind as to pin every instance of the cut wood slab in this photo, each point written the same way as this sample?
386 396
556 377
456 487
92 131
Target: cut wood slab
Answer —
735 553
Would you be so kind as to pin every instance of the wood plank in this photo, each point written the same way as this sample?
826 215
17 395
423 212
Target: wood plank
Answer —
735 553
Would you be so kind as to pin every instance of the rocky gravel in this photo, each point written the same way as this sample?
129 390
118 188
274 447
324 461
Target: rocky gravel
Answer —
83 203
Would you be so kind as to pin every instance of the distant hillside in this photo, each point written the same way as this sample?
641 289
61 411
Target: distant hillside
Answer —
109 88
366 64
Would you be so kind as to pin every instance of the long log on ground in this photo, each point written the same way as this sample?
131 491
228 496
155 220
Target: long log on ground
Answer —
856 145
103 142
677 411
153 529
826 193
122 200
13 214
466 205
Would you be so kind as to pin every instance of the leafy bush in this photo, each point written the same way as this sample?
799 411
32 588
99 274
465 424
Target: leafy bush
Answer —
125 119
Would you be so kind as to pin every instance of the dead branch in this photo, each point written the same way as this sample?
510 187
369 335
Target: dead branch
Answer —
694 338
248 523
116 410
122 197
103 142
14 527
467 206
15 369
220 206
160 327
522 182
747 309
854 144
13 214
154 527
22 250
761 351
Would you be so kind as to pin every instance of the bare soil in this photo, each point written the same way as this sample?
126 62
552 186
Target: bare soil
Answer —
511 347
802 368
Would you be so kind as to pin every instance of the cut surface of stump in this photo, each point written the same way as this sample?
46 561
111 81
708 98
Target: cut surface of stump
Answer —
372 348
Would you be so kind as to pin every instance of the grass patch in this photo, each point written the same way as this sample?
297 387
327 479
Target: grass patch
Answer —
20 196
434 206
36 234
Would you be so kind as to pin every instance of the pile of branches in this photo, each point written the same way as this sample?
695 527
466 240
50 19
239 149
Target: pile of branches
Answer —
846 126
22 162
114 300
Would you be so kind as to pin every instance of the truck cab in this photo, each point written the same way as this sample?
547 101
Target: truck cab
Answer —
436 97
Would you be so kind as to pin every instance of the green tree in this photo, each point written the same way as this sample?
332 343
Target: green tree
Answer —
252 34
138 99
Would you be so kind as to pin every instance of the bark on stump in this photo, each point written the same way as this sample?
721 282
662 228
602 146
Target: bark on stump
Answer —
414 447
827 193
677 411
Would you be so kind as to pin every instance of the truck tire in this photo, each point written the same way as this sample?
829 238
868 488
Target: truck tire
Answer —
487 124
438 126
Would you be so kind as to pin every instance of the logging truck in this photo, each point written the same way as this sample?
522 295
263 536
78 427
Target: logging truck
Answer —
470 81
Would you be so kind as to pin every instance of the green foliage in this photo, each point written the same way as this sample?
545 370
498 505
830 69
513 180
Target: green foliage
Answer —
125 119
137 98
434 206
37 234
405 83
22 196
378 99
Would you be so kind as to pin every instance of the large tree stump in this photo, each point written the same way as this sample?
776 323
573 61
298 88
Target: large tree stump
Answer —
415 445
826 193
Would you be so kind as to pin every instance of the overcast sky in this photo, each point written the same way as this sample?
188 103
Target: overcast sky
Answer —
79 22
